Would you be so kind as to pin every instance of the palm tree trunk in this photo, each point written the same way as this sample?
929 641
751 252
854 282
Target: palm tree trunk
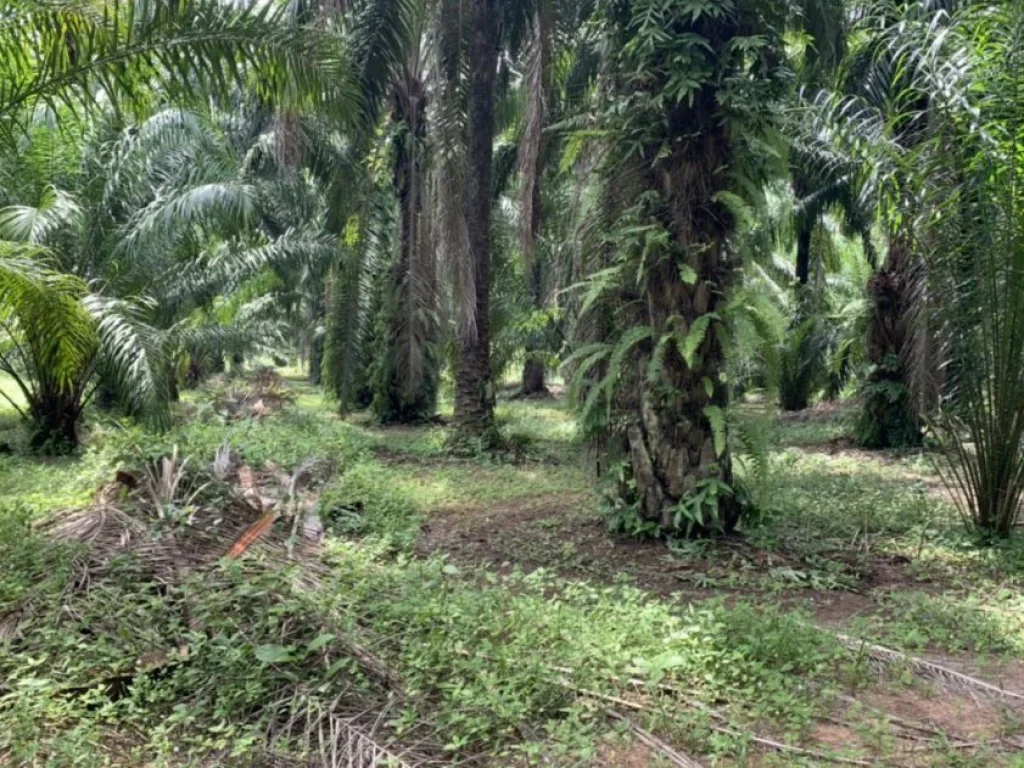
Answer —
888 419
406 390
54 429
672 446
474 393
316 360
677 444
803 253
534 370
531 168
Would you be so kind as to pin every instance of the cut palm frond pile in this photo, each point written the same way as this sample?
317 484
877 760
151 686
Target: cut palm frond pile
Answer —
186 586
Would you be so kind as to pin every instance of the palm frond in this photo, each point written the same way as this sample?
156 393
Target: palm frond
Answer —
74 53
133 355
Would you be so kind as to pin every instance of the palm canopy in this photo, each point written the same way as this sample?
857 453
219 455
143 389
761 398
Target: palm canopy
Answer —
76 53
155 221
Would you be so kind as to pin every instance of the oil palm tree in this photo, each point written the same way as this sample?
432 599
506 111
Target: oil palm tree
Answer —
150 224
877 117
681 139
968 171
556 68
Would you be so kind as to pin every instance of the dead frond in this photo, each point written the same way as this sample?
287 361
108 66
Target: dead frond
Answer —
950 679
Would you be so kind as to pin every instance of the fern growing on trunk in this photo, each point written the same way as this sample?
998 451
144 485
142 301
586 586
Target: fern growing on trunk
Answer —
650 384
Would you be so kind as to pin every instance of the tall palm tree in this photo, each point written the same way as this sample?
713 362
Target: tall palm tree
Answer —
880 117
409 369
680 147
548 95
474 391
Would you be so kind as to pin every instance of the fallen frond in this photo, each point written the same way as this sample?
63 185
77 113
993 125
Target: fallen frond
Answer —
671 754
762 741
944 676
139 519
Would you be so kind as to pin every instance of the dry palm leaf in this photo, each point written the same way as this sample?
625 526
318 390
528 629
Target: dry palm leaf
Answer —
944 676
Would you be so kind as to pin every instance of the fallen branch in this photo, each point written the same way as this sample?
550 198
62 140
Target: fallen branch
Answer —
959 745
901 722
930 670
776 746
646 737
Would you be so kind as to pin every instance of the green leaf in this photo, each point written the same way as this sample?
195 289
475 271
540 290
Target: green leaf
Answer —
321 641
338 666
716 418
274 654
597 285
695 337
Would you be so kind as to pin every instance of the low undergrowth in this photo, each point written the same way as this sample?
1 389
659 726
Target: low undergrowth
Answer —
131 671
474 662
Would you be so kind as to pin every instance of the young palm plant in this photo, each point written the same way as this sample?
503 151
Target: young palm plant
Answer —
47 344
155 222
974 185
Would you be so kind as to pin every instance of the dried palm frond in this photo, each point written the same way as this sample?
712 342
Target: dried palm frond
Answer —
945 677
225 462
349 734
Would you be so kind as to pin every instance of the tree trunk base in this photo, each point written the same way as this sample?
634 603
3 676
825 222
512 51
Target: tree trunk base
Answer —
887 419
699 502
534 384
55 434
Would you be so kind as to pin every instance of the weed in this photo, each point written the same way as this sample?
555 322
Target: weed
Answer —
370 500
918 621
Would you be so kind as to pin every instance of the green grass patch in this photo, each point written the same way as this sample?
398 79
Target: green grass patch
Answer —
917 621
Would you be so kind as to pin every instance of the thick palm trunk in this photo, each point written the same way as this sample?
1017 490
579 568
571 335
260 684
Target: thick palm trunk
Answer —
534 377
889 419
673 448
474 395
406 390
677 445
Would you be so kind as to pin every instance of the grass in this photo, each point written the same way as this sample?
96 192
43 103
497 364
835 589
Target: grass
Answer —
493 592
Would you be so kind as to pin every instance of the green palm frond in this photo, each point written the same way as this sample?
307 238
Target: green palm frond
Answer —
381 34
215 206
46 336
133 354
76 52
57 210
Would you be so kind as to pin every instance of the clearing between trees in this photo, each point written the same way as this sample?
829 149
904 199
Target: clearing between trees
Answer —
270 584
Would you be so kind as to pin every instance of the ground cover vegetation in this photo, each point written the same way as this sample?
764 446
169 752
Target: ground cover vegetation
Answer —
478 382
